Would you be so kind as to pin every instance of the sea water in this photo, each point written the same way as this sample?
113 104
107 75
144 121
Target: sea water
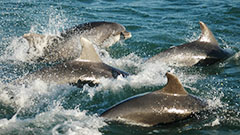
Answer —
43 108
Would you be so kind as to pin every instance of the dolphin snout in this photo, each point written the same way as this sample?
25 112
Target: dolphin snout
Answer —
126 34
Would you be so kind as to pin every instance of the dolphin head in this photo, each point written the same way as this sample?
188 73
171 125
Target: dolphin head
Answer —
114 28
105 34
117 32
118 29
125 35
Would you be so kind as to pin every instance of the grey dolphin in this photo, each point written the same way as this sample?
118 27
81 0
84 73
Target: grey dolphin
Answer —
103 34
204 51
64 47
87 69
170 104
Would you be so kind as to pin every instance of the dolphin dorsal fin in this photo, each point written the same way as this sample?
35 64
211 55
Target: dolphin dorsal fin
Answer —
207 35
173 86
88 52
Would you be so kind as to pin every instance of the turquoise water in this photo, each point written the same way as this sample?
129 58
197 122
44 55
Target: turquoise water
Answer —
155 25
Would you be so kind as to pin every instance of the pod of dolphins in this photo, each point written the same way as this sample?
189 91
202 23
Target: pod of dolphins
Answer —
79 63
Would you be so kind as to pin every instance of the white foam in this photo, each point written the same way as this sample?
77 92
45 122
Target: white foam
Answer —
57 120
150 74
131 60
33 95
78 122
6 122
216 122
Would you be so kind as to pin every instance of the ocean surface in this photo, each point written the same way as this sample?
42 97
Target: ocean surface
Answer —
156 25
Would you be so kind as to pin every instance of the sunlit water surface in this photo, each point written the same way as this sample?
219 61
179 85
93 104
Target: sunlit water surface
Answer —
43 108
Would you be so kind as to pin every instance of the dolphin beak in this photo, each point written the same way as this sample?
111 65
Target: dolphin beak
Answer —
126 34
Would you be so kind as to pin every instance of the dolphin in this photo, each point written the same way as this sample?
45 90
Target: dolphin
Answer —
48 48
171 103
103 34
202 52
88 68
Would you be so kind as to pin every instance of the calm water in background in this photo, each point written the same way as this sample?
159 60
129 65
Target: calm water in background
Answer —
155 25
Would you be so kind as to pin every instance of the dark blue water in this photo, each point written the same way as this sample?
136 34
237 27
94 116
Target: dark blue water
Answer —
155 25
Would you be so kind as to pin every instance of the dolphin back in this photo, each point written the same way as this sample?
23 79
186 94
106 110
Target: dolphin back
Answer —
202 52
170 104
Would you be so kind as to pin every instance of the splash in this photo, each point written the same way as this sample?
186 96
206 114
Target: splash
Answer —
42 101
57 120
151 74
19 49
29 97
216 122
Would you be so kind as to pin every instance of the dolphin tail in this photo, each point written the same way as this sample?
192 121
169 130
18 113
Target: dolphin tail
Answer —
173 85
207 35
88 51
